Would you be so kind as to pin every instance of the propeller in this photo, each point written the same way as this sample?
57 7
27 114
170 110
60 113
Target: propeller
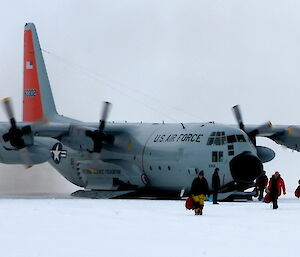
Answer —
251 134
19 138
15 135
98 136
238 116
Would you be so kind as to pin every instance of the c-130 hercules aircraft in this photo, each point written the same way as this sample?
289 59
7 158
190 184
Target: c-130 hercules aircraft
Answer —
110 159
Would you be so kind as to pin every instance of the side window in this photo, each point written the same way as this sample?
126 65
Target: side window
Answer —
214 157
217 157
230 150
240 138
220 156
231 139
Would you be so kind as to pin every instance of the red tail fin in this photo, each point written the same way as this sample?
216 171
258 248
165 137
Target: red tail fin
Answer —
32 104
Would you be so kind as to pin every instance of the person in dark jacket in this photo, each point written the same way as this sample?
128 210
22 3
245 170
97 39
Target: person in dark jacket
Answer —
260 185
276 183
215 185
297 191
199 190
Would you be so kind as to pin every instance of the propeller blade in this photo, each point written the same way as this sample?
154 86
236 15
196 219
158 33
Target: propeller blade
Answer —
8 108
25 156
264 128
16 135
98 136
106 107
238 116
9 111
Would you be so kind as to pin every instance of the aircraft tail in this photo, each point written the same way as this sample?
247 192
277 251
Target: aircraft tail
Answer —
38 102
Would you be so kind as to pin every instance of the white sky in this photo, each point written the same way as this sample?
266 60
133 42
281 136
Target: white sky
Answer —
187 61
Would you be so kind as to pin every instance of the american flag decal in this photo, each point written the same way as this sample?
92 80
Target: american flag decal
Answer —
29 65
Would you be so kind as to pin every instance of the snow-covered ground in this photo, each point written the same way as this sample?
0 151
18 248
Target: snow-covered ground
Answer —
46 226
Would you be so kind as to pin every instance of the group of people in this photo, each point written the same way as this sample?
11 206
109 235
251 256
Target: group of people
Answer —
273 188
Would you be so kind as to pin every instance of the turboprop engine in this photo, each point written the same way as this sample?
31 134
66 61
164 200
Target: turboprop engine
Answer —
264 154
19 146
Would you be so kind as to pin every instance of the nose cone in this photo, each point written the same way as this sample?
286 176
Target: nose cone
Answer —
245 167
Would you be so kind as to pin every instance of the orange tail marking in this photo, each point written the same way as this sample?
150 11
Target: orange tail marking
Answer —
32 104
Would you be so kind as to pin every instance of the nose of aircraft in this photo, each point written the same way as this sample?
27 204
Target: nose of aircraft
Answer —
245 167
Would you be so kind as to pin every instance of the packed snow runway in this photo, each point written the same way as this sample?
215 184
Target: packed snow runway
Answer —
45 226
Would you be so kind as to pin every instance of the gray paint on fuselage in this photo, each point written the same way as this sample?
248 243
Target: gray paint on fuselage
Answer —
167 153
189 155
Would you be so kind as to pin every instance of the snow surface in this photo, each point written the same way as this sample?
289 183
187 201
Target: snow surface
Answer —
46 226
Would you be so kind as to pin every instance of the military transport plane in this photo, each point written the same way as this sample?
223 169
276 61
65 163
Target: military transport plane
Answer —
110 159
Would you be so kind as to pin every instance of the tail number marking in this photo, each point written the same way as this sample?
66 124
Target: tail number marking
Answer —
30 92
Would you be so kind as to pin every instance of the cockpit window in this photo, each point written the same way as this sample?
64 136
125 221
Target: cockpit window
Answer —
223 140
217 141
217 138
231 139
240 138
210 141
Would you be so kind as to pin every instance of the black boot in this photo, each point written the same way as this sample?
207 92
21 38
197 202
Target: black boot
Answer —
201 208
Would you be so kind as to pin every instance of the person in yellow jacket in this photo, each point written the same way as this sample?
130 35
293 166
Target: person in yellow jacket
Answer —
199 190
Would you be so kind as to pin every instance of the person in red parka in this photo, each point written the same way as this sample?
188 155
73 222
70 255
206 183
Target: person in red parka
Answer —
276 183
297 191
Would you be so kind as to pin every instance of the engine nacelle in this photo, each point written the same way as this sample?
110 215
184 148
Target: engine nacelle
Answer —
36 155
265 154
33 154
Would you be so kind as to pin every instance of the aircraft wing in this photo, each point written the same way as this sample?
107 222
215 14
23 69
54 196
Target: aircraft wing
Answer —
286 135
266 131
117 138
86 136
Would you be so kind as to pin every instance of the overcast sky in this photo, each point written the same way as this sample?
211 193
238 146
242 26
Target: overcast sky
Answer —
177 61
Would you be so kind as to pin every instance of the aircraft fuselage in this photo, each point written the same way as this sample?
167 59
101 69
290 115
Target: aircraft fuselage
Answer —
158 156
